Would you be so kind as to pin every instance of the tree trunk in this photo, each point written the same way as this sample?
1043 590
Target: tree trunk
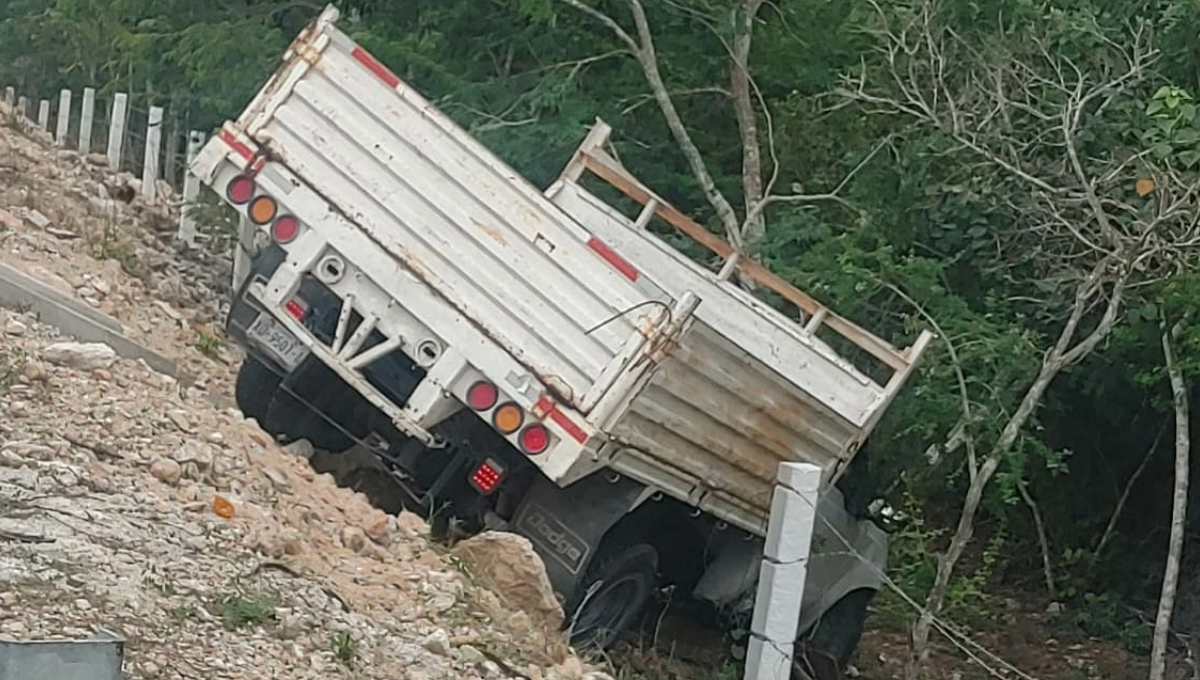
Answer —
966 521
754 228
1062 355
1166 600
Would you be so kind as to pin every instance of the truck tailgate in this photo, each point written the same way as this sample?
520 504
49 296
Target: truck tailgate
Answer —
448 209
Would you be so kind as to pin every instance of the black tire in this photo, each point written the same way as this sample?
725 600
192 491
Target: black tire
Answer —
255 387
826 651
623 583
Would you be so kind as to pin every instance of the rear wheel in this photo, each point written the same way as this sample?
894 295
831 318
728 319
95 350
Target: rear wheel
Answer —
827 651
613 595
255 387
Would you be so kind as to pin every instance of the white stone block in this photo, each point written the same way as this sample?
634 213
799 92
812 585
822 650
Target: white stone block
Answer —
777 606
800 477
789 532
766 661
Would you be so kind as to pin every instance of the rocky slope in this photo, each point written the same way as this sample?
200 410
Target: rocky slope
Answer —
145 505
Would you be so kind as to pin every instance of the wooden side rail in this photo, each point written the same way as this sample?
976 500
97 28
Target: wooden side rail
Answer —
591 158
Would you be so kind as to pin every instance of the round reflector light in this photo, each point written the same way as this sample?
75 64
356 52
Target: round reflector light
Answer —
285 229
508 418
240 190
262 210
482 396
534 440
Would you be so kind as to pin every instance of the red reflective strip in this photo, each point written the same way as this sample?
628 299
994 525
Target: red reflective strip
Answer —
373 65
610 256
544 405
236 144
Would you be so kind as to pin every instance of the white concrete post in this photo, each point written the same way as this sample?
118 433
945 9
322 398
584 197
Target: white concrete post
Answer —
154 126
10 95
64 117
191 189
87 119
784 568
44 114
23 107
116 131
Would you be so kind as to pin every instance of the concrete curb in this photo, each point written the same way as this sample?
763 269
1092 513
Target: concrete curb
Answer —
74 318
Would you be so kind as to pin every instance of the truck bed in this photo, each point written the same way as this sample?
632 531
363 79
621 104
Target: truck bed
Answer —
747 387
703 404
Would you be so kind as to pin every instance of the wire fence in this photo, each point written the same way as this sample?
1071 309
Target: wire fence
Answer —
171 154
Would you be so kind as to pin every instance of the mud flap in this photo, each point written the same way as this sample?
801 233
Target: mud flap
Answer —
567 525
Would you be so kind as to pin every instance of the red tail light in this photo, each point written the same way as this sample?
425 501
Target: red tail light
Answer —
482 396
285 229
297 309
240 190
487 476
534 440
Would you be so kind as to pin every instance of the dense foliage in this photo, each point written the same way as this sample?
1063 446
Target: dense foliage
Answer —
930 230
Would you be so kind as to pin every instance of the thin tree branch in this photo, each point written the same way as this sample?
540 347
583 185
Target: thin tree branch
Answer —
1111 527
833 195
1043 541
608 21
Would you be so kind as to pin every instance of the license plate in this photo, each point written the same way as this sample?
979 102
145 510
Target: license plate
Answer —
276 339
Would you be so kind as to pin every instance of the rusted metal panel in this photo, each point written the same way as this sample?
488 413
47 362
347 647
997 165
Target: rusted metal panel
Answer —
741 390
730 420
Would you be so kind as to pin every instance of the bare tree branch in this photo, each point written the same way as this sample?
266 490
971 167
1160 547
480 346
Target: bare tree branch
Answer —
832 195
753 227
636 103
1043 541
1111 527
964 395
1183 450
644 51
608 21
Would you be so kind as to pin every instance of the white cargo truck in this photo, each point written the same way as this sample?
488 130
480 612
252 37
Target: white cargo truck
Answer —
537 361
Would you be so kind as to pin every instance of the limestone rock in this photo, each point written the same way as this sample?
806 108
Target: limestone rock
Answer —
166 470
437 642
83 356
507 564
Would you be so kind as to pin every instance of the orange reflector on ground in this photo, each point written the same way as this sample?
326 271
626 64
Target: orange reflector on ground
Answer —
222 508
508 418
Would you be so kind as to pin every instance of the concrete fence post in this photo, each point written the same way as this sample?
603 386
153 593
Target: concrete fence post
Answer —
191 190
784 569
87 118
64 118
23 107
43 120
116 130
154 125
10 95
